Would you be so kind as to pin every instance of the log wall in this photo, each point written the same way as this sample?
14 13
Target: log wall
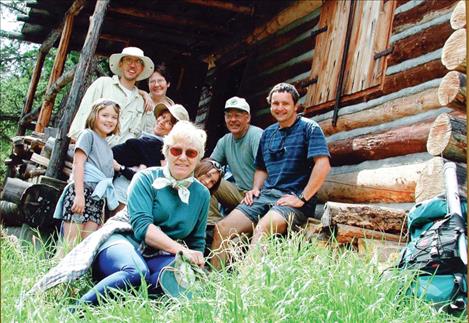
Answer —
390 124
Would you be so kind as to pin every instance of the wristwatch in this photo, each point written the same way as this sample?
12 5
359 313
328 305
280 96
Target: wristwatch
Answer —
302 197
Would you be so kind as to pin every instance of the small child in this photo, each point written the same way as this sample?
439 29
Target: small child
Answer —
81 206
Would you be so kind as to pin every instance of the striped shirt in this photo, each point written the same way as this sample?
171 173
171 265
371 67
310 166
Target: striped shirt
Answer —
287 154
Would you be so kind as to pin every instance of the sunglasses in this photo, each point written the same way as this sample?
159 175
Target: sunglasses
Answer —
190 153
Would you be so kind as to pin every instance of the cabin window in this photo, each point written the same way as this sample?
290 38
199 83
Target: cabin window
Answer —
365 61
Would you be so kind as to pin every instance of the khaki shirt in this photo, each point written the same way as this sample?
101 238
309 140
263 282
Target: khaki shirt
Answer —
131 115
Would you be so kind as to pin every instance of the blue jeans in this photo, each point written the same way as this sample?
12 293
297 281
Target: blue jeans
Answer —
155 264
119 266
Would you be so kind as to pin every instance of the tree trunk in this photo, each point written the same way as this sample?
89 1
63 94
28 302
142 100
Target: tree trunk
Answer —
458 17
77 89
454 51
364 216
452 91
432 180
396 142
448 138
350 234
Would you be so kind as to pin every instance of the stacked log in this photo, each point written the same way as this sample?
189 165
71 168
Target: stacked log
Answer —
447 139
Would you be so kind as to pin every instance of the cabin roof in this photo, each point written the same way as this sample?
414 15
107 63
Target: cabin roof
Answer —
194 28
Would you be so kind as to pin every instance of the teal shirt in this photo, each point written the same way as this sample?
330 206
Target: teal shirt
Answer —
163 208
240 155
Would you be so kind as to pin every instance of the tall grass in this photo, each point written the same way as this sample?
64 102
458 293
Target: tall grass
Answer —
287 280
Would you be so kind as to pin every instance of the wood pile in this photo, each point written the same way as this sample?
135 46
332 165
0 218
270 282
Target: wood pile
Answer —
399 164
28 196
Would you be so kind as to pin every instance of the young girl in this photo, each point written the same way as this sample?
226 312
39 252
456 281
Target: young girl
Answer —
81 205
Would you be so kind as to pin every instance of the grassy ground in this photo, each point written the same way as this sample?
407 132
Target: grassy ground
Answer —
289 281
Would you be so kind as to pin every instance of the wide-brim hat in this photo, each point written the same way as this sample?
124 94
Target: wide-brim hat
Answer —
148 66
178 277
176 110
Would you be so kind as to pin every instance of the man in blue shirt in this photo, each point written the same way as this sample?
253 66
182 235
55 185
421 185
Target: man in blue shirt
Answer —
292 163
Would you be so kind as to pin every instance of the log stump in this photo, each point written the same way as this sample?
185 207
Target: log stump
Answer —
454 51
448 138
458 17
452 91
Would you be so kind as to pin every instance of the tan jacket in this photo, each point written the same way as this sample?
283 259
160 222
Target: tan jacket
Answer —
131 116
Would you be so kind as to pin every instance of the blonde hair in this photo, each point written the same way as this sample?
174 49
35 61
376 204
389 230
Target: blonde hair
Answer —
187 132
97 106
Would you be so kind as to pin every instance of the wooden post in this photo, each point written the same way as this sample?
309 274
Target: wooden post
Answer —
76 92
41 56
57 69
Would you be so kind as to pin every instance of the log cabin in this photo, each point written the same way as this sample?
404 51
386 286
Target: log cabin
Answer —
375 75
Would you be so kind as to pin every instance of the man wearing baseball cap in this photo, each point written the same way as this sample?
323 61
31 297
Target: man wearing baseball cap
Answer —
129 66
237 149
139 153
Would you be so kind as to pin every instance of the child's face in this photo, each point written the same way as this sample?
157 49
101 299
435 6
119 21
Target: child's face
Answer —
106 121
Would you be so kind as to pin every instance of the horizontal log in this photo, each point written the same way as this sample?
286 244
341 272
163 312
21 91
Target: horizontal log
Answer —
452 91
454 51
14 189
43 161
448 137
431 181
413 76
426 41
421 13
350 234
395 142
366 216
377 184
383 113
458 17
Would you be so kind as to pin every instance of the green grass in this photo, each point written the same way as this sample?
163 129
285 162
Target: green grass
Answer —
289 280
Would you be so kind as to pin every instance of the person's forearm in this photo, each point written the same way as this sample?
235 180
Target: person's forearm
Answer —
318 176
259 178
157 239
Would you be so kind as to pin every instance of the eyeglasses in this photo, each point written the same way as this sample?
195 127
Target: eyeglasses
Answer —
190 153
277 152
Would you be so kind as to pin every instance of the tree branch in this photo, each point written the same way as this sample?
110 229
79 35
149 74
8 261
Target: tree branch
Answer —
13 8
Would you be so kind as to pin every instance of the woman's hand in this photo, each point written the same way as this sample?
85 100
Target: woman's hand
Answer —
195 257
116 165
78 204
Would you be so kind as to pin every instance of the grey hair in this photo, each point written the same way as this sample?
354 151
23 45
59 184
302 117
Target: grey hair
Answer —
187 132
284 87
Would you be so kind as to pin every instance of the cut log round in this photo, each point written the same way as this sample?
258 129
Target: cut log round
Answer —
432 182
454 51
452 91
447 138
458 17
10 214
14 189
364 216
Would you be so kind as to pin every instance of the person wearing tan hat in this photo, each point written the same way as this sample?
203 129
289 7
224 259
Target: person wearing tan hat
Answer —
139 153
129 66
158 84
237 149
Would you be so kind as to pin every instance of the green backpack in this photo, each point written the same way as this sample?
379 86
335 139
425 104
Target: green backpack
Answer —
436 238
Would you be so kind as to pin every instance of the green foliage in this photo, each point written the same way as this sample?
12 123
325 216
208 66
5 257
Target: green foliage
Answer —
287 280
